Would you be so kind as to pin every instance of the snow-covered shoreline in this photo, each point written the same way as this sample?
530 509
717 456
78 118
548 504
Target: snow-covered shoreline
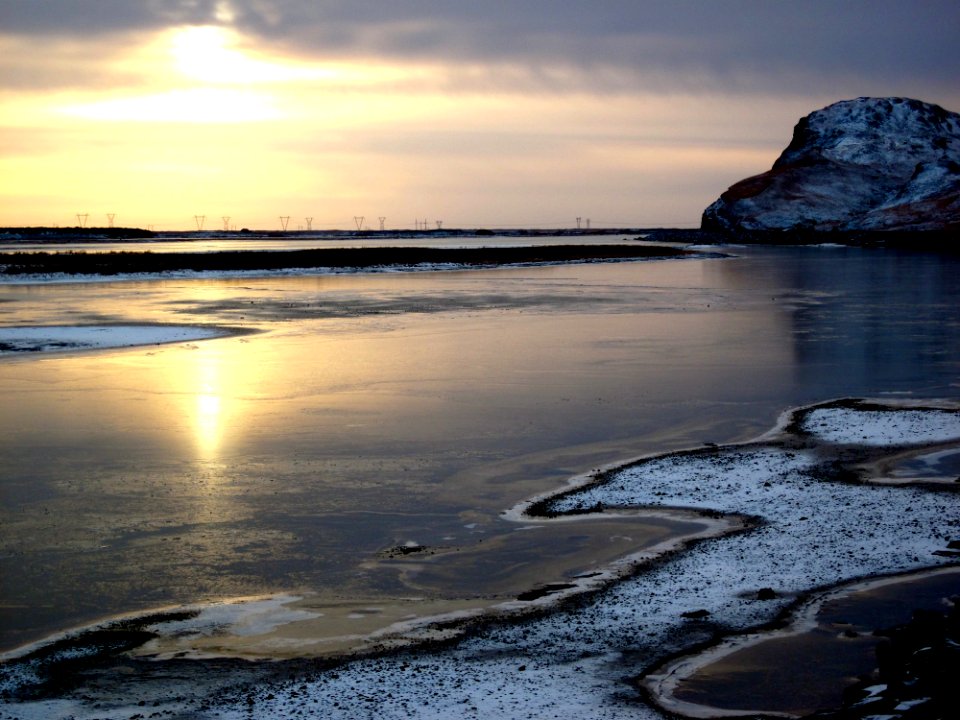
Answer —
72 338
816 528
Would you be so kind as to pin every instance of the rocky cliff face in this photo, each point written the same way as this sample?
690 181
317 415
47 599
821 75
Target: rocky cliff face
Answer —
857 165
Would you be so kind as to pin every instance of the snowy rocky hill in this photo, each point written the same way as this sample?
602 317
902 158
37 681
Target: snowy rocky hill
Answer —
858 165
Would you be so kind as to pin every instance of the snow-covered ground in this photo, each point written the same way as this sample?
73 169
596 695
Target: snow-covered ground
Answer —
54 338
880 428
812 531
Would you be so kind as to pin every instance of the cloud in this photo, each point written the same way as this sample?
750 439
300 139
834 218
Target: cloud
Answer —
747 46
95 18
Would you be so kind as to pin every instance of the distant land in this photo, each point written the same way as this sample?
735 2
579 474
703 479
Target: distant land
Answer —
335 258
940 240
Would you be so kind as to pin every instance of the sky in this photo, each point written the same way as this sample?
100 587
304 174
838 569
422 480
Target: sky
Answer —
169 114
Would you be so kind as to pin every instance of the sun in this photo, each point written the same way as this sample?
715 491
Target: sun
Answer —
209 54
200 77
215 55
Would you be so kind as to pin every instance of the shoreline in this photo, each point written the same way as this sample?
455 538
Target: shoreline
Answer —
256 628
31 340
801 432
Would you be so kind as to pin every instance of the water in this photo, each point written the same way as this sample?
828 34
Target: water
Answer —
370 411
200 244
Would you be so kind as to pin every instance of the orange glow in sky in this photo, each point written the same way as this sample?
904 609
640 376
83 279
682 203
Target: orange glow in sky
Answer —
210 127
160 124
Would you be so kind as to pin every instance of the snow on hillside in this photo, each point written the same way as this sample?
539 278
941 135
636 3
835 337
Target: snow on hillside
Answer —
864 164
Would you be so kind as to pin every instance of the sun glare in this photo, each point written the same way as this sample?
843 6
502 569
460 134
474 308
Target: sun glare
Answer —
212 54
208 54
202 74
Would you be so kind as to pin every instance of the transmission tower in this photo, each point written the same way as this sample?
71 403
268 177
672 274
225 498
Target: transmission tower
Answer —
382 218
199 220
578 223
309 224
358 219
226 222
439 224
82 219
284 220
588 223
110 217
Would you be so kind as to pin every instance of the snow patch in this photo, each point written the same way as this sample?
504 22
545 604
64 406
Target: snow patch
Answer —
882 428
62 338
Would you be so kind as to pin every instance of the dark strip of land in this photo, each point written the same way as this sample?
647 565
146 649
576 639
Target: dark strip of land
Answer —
116 263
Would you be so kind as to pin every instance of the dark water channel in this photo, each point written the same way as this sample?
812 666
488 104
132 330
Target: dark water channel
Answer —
374 411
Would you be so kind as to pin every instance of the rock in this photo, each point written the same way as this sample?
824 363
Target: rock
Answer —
696 614
766 594
868 164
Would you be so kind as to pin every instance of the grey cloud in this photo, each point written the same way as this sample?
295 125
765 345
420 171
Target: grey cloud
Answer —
93 18
861 46
733 44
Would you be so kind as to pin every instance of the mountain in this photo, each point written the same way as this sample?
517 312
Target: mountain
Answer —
858 165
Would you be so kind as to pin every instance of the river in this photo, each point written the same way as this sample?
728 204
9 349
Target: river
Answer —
361 413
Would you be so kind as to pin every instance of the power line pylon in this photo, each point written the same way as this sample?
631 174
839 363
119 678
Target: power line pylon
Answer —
82 219
110 217
358 219
309 224
199 220
382 218
284 220
226 222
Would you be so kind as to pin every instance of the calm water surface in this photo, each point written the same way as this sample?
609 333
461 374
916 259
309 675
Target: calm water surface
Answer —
221 244
370 411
